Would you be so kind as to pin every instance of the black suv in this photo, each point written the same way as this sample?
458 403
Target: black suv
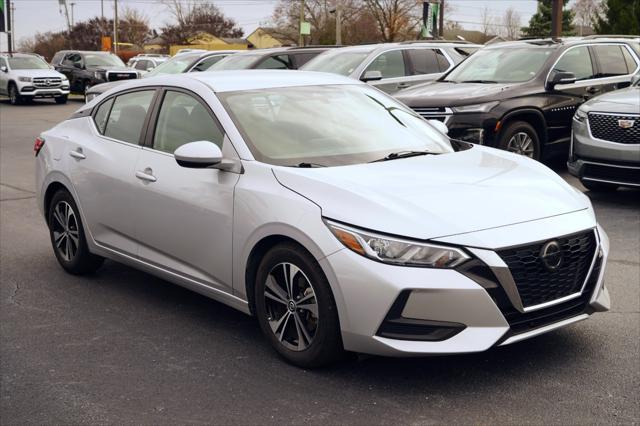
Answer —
521 96
85 69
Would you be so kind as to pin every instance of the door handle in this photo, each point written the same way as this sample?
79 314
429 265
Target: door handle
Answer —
146 175
592 89
77 154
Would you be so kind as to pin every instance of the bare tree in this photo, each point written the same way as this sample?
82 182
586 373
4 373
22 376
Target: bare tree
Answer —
511 23
585 12
396 19
487 22
133 27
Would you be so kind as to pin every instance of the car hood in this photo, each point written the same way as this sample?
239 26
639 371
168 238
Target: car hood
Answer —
621 101
436 196
440 93
38 73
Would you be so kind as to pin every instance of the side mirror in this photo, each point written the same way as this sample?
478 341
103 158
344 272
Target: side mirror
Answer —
198 155
635 79
4 69
560 77
439 125
371 76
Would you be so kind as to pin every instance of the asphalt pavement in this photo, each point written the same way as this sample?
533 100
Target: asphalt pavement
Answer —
123 347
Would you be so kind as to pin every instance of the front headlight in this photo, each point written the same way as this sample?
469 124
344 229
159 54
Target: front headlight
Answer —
580 116
397 251
25 79
486 107
99 75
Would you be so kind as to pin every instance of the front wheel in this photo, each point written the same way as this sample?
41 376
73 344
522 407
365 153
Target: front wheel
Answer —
67 236
14 95
521 138
295 307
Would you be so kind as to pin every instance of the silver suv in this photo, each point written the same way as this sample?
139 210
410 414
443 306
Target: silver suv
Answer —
605 142
25 76
393 66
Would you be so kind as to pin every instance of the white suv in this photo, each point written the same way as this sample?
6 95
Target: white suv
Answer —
25 76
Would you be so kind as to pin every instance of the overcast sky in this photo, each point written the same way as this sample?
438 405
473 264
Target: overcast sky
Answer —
33 16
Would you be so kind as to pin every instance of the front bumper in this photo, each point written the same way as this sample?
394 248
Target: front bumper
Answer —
603 161
34 92
462 312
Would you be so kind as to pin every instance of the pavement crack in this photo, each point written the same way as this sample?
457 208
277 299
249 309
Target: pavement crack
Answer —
14 294
18 198
623 262
17 188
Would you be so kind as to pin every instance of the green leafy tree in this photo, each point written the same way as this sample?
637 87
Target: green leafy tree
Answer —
540 22
620 17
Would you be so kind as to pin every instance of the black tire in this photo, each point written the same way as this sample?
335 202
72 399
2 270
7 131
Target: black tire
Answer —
325 345
509 139
14 95
80 261
599 186
61 100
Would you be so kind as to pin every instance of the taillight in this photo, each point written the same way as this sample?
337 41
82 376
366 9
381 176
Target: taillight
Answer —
37 146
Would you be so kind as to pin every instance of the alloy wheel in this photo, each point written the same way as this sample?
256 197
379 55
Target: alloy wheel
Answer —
291 306
66 234
521 143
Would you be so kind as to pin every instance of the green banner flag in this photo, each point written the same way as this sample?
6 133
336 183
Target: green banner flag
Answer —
3 28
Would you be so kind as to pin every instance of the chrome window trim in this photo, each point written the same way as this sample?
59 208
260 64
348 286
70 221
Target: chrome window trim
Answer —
604 140
402 48
503 273
591 80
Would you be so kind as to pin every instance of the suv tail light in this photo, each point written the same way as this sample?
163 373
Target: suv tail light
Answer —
38 144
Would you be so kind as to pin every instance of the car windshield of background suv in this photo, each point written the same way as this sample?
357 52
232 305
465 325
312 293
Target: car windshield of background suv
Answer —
102 60
359 124
33 63
235 62
343 63
501 65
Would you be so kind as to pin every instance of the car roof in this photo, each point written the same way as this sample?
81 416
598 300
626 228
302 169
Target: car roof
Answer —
19 55
378 47
238 80
561 42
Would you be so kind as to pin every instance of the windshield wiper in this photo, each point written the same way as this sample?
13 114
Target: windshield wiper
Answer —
402 154
479 81
307 165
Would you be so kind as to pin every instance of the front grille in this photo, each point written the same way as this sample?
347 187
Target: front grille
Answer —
538 284
630 175
47 82
123 75
610 127
433 113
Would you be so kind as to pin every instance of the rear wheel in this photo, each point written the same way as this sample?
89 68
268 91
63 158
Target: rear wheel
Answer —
295 307
67 236
61 100
599 186
521 138
14 95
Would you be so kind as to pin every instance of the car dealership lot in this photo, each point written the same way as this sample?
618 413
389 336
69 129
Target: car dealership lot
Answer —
125 347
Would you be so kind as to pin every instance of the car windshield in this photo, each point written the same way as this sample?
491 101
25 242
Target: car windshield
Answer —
27 63
343 63
235 62
175 65
329 125
501 65
102 60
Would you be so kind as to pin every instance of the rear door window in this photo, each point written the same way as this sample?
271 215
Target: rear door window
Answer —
276 62
127 116
303 58
577 61
101 115
611 60
423 61
390 64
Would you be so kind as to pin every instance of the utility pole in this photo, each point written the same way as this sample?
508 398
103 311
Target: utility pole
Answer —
441 20
338 22
556 19
115 27
300 36
72 4
102 9
10 25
